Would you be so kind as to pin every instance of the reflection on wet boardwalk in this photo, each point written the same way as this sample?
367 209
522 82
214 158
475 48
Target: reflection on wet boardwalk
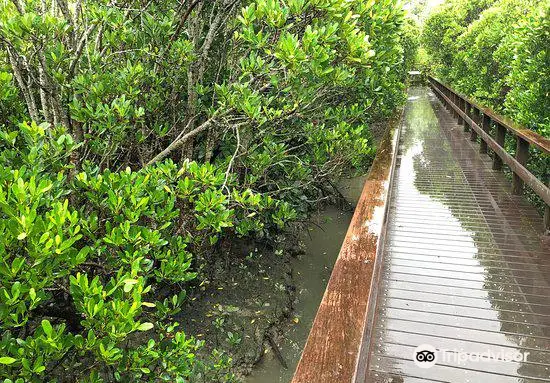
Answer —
463 266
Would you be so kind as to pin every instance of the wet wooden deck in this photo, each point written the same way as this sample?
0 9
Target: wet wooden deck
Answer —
463 266
440 254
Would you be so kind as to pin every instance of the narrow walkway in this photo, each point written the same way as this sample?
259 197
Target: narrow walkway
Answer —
463 266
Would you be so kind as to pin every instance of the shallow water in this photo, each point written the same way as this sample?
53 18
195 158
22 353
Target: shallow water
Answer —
311 273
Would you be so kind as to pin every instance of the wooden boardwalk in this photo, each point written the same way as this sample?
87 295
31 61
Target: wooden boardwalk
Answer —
454 262
463 267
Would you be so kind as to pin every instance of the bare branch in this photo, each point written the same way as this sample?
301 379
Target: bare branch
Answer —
182 21
178 142
23 86
77 10
43 96
20 6
79 48
230 165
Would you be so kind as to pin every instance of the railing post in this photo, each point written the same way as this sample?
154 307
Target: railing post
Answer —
522 154
486 126
499 138
475 118
461 107
547 215
468 111
455 102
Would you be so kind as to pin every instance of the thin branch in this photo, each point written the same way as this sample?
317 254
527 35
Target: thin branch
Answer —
180 140
27 93
79 48
230 165
20 6
183 19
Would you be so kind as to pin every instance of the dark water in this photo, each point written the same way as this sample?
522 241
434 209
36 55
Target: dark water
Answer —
311 273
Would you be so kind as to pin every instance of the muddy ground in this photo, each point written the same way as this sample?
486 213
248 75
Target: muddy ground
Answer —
244 303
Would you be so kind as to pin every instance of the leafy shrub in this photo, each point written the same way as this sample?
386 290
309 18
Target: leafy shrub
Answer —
528 77
82 280
133 137
497 55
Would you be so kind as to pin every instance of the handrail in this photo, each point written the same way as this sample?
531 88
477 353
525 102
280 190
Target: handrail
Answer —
338 343
535 139
480 123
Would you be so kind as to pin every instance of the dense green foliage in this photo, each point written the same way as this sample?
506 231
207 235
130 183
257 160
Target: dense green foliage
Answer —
497 52
133 136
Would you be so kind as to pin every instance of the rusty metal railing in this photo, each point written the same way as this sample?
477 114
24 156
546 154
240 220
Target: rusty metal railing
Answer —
479 119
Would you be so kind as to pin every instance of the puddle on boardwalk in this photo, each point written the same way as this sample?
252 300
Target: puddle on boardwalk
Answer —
312 271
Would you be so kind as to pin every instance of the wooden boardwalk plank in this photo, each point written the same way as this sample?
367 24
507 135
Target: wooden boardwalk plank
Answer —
463 265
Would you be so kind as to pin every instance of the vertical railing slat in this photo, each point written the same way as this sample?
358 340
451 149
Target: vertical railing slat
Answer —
499 138
547 215
461 107
475 118
486 126
455 101
522 154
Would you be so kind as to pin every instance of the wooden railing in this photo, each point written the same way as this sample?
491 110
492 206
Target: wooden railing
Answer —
479 120
338 343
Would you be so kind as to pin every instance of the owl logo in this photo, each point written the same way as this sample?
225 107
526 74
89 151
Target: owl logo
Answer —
425 356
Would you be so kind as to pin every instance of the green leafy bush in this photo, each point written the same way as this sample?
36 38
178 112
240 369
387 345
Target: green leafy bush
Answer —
496 52
528 77
82 280
133 137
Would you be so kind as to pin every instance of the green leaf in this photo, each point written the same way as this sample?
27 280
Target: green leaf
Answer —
128 284
7 360
47 327
145 326
32 293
